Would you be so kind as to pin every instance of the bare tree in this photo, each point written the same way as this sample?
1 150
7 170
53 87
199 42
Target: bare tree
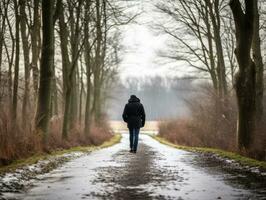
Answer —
10 54
70 66
257 57
81 37
198 21
88 63
98 64
16 67
2 33
229 44
35 45
26 53
46 68
214 12
246 76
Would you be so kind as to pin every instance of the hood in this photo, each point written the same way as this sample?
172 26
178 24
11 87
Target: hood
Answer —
133 98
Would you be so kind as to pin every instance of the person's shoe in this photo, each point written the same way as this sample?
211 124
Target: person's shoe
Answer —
131 150
134 151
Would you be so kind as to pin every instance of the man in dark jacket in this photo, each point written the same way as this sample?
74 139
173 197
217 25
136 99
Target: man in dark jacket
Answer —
134 116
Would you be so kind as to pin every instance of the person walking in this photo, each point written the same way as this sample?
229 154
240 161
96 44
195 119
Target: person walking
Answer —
134 116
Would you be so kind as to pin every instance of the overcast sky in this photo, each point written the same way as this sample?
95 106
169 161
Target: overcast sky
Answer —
141 44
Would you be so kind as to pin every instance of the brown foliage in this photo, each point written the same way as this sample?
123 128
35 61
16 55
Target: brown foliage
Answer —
258 149
20 141
212 124
97 135
16 141
179 132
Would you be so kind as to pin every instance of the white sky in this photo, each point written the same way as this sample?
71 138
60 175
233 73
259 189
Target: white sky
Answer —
141 44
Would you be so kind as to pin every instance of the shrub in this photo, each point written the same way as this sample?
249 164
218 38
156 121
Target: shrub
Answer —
212 123
18 140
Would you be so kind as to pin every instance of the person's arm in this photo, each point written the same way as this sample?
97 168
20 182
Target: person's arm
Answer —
125 117
143 116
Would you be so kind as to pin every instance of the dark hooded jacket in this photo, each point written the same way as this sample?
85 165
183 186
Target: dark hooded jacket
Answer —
134 113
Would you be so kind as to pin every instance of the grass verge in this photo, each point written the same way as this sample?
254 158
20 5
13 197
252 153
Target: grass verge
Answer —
35 158
224 154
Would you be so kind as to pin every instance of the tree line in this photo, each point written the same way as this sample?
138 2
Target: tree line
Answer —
58 58
163 97
223 40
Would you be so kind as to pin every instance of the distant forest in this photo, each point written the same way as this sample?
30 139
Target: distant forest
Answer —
163 97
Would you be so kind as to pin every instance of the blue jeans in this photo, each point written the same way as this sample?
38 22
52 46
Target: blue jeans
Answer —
134 138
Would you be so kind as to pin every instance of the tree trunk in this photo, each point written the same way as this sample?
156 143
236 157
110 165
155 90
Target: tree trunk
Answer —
35 46
25 45
75 40
2 32
246 76
63 33
97 67
69 69
46 69
16 70
211 52
55 95
81 93
88 97
10 80
54 103
10 58
215 19
74 99
1 50
87 57
66 113
256 50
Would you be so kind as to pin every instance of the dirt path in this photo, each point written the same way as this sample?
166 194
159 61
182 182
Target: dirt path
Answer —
155 172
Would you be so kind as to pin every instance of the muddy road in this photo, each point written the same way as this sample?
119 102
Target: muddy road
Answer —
155 172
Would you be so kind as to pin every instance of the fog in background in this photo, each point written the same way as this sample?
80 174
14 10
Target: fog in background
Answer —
163 85
143 42
162 98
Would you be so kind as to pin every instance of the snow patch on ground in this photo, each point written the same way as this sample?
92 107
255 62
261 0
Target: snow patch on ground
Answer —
21 178
234 165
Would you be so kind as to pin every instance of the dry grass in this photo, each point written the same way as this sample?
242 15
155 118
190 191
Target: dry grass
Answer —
212 125
178 132
209 126
18 140
258 149
221 153
44 156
